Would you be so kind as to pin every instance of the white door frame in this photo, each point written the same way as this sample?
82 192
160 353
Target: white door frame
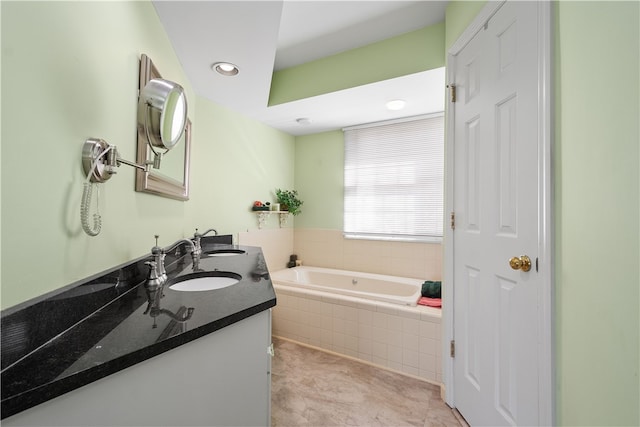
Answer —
546 319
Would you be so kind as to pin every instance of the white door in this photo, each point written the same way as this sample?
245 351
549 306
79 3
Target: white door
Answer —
496 218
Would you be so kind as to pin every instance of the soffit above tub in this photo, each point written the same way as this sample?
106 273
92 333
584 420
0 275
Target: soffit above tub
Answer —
362 104
252 34
310 30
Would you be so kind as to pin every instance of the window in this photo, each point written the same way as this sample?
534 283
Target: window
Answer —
394 179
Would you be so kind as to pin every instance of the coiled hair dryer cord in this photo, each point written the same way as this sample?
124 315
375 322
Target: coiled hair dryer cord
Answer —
85 203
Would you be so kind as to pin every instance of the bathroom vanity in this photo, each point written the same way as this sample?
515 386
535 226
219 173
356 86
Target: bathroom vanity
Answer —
104 352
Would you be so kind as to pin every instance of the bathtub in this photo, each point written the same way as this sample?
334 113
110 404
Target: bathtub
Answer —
383 326
377 287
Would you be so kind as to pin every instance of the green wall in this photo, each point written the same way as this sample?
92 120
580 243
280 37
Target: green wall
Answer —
408 53
237 160
319 178
83 82
597 193
319 158
459 14
70 71
0 173
597 231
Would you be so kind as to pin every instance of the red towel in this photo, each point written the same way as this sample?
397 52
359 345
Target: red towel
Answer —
431 302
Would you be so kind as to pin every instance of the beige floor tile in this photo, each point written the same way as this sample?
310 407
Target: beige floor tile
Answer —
314 388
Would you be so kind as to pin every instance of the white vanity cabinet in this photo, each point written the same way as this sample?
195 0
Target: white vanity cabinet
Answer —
223 378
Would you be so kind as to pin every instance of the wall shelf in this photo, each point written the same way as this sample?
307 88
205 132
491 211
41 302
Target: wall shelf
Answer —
263 215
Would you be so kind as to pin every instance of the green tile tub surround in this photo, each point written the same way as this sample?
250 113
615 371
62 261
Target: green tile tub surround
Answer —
409 53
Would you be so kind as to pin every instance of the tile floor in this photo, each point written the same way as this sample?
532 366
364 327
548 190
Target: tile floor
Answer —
314 388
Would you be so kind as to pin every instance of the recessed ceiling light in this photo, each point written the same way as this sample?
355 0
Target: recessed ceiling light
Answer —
396 104
304 120
225 68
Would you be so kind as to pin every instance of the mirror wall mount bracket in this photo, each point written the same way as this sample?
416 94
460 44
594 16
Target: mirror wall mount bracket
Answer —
101 160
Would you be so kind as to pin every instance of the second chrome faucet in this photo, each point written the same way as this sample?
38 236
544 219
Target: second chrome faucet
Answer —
197 237
157 273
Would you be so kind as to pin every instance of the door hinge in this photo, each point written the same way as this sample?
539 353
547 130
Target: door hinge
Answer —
452 348
453 220
452 89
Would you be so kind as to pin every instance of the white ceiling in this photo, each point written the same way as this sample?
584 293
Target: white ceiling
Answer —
260 36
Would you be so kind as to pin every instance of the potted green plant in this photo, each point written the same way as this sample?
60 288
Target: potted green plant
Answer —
289 201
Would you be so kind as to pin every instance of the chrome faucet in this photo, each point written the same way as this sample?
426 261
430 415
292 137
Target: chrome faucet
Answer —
157 273
198 236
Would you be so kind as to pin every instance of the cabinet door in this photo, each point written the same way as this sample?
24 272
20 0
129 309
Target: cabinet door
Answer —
220 379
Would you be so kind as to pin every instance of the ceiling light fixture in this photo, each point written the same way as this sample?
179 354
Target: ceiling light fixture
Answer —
396 104
225 68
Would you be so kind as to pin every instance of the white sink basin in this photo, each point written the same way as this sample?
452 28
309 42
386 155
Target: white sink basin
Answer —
206 283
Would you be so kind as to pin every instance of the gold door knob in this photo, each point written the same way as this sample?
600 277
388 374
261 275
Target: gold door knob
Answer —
520 263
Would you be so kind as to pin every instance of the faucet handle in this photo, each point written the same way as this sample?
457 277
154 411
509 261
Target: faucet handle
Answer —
153 269
153 281
197 236
196 243
156 249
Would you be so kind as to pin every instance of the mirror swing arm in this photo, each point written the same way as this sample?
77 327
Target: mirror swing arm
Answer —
101 160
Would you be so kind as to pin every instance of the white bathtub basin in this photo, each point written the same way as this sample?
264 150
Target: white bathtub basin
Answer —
378 287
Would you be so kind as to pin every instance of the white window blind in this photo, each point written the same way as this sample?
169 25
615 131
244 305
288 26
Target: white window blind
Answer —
394 179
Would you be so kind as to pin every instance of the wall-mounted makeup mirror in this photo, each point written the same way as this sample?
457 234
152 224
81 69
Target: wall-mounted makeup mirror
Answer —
172 179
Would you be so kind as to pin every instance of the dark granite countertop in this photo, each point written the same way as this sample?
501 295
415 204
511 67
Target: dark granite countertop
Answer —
104 324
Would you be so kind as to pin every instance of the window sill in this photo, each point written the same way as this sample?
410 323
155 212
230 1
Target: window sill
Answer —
392 238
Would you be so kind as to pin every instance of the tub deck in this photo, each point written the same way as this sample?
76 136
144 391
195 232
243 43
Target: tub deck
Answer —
377 287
